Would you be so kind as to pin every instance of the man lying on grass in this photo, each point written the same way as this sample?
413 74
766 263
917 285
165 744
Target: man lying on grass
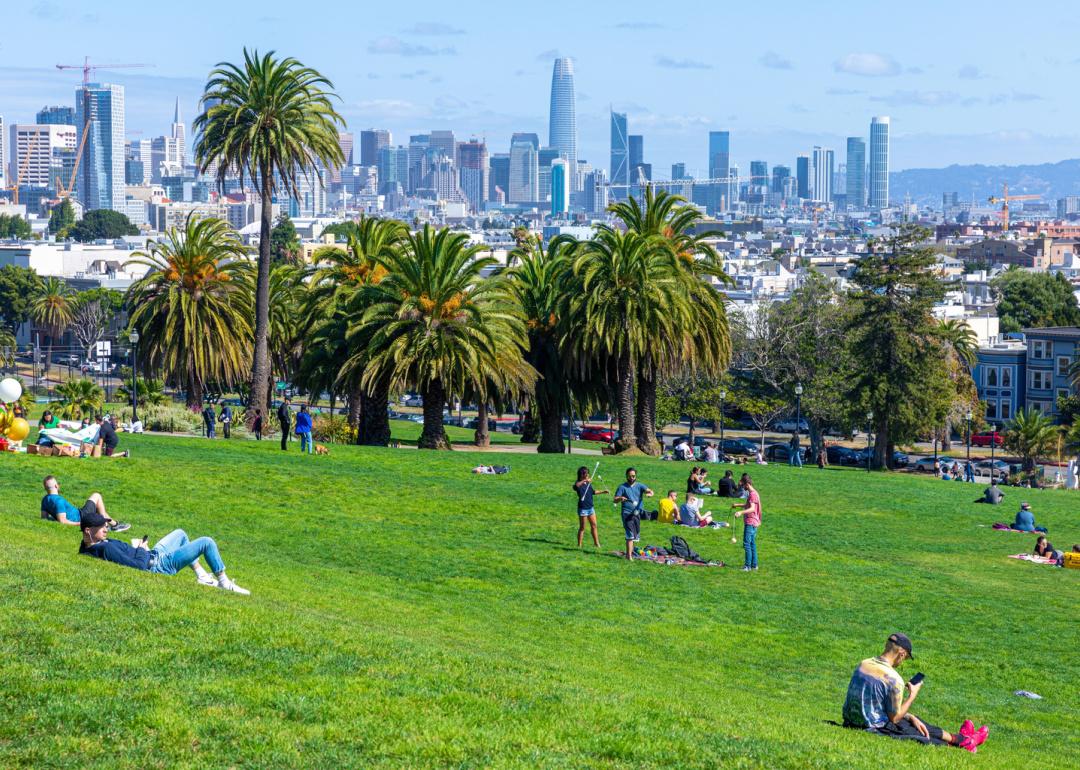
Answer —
875 702
172 553
56 507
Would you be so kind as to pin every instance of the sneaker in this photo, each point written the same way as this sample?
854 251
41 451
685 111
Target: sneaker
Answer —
968 744
747 569
207 580
119 527
227 585
967 730
980 735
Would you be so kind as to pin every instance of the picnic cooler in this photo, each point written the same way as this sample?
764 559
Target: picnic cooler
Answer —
1072 560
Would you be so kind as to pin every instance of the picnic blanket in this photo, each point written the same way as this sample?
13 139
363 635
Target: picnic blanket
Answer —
670 560
87 435
1002 527
1032 558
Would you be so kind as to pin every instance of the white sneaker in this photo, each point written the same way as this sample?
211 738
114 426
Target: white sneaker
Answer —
207 580
227 585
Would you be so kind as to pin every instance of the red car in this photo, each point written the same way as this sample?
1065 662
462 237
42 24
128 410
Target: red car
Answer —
984 439
595 433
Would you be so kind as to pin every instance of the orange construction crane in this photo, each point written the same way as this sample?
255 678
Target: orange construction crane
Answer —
65 192
24 164
1004 201
87 68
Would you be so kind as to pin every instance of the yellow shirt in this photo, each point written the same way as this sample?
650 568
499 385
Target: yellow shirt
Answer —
668 511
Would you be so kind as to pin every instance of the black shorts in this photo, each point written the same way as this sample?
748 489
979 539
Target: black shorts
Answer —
89 507
632 524
906 730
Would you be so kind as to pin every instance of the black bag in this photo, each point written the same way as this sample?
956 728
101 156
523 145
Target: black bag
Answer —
682 549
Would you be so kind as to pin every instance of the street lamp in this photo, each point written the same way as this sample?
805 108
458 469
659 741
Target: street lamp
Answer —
869 425
723 395
969 416
134 337
798 419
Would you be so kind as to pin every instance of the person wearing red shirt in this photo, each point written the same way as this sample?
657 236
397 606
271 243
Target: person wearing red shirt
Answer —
751 510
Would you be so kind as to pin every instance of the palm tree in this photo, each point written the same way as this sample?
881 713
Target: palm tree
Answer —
960 345
53 308
150 392
77 399
7 347
193 306
271 121
286 334
1031 434
435 324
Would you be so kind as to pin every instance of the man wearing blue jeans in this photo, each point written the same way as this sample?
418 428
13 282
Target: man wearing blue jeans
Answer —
171 554
795 451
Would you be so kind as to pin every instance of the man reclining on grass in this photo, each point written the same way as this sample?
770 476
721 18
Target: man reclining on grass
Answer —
171 554
875 702
55 507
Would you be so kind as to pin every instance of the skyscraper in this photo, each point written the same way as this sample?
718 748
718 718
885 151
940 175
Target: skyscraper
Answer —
545 159
802 176
719 168
856 172
620 154
371 141
879 162
823 174
100 183
393 169
56 116
179 135
473 172
560 187
524 169
419 145
34 150
759 174
499 178
678 171
442 143
562 123
141 150
596 192
780 174
3 155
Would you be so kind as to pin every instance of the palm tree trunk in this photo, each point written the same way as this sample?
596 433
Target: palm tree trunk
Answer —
434 434
374 421
946 435
551 428
624 403
356 414
194 389
260 364
531 428
482 438
646 408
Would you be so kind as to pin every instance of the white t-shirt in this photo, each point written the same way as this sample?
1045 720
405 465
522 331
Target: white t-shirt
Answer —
711 455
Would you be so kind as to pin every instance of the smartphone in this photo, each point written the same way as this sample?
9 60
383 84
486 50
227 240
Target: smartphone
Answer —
917 679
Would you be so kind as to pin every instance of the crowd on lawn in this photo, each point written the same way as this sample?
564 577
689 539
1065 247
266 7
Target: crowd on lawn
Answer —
301 427
99 431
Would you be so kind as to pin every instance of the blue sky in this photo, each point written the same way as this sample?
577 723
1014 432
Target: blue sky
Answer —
964 82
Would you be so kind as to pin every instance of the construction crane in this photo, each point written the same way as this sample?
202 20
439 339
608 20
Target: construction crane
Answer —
1004 201
24 164
65 192
87 68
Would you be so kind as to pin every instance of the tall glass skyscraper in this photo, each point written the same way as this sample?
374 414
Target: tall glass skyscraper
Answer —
560 187
57 116
620 155
879 162
823 174
524 169
802 177
856 172
101 183
562 123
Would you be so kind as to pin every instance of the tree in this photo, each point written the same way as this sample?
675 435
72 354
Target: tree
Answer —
77 399
436 322
687 393
14 226
762 407
284 242
18 287
898 361
53 308
960 344
62 218
193 307
88 323
1031 300
150 391
270 121
102 224
1031 434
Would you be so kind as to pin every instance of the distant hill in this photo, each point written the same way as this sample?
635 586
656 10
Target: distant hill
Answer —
925 185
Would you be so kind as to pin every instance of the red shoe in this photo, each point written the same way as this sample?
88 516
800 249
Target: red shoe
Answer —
967 730
968 744
980 735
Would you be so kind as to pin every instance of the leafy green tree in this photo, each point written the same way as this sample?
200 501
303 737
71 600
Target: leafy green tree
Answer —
1032 300
76 399
150 391
14 226
18 287
960 345
270 121
62 218
899 370
762 407
193 307
1031 434
1068 409
102 224
687 393
437 322
284 242
53 309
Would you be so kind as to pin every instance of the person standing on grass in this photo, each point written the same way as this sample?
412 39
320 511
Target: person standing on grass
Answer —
969 472
795 451
209 421
751 510
303 429
226 420
257 425
584 490
284 416
631 494
875 702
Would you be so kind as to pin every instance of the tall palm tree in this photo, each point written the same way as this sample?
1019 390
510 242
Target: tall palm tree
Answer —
53 308
193 306
1031 434
76 399
435 322
270 121
960 339
286 341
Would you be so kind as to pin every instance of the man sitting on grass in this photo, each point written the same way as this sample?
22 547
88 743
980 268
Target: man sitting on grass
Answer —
172 553
875 702
690 513
992 495
58 508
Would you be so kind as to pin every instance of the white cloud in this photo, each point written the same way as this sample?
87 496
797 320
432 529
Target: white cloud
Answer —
774 61
874 65
918 98
681 64
970 72
389 108
433 28
395 46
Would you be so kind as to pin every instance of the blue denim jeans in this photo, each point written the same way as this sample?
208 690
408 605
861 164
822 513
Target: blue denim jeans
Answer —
175 551
305 441
749 544
795 458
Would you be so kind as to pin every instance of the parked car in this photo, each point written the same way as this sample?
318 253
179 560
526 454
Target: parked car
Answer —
413 401
788 426
985 439
739 446
779 453
1001 469
841 455
900 460
597 433
575 433
698 442
65 359
926 464
457 422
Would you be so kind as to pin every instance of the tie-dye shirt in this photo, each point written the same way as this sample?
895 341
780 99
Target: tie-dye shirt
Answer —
874 694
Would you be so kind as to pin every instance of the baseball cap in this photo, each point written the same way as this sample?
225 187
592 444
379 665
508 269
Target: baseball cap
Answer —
92 520
902 641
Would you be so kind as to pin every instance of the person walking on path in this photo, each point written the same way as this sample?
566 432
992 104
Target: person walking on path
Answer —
303 428
209 421
226 421
584 490
257 425
631 494
795 451
969 472
284 416
751 510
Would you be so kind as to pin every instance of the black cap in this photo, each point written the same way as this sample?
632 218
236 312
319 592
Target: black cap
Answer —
92 520
901 641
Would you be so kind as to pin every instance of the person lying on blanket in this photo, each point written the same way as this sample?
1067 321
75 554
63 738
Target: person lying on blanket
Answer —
690 513
1045 549
491 470
1025 520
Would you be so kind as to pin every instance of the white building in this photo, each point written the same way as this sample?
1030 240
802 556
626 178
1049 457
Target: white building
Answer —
32 152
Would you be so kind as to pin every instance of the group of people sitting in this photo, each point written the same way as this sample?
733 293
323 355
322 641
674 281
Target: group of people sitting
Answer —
710 453
954 472
168 556
99 431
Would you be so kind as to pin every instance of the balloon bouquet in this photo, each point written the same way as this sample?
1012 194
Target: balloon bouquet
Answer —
12 429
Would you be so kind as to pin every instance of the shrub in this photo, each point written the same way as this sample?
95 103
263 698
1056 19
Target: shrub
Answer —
333 429
167 418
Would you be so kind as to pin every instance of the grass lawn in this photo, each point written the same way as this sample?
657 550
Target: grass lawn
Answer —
407 614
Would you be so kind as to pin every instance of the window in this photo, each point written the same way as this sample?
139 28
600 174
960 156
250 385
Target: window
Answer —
991 410
1040 380
1006 407
1063 393
1006 376
1040 348
991 377
1063 366
1040 406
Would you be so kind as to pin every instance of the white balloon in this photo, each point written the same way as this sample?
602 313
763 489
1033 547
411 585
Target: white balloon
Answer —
10 390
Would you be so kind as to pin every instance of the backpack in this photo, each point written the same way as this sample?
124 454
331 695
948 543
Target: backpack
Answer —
681 548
